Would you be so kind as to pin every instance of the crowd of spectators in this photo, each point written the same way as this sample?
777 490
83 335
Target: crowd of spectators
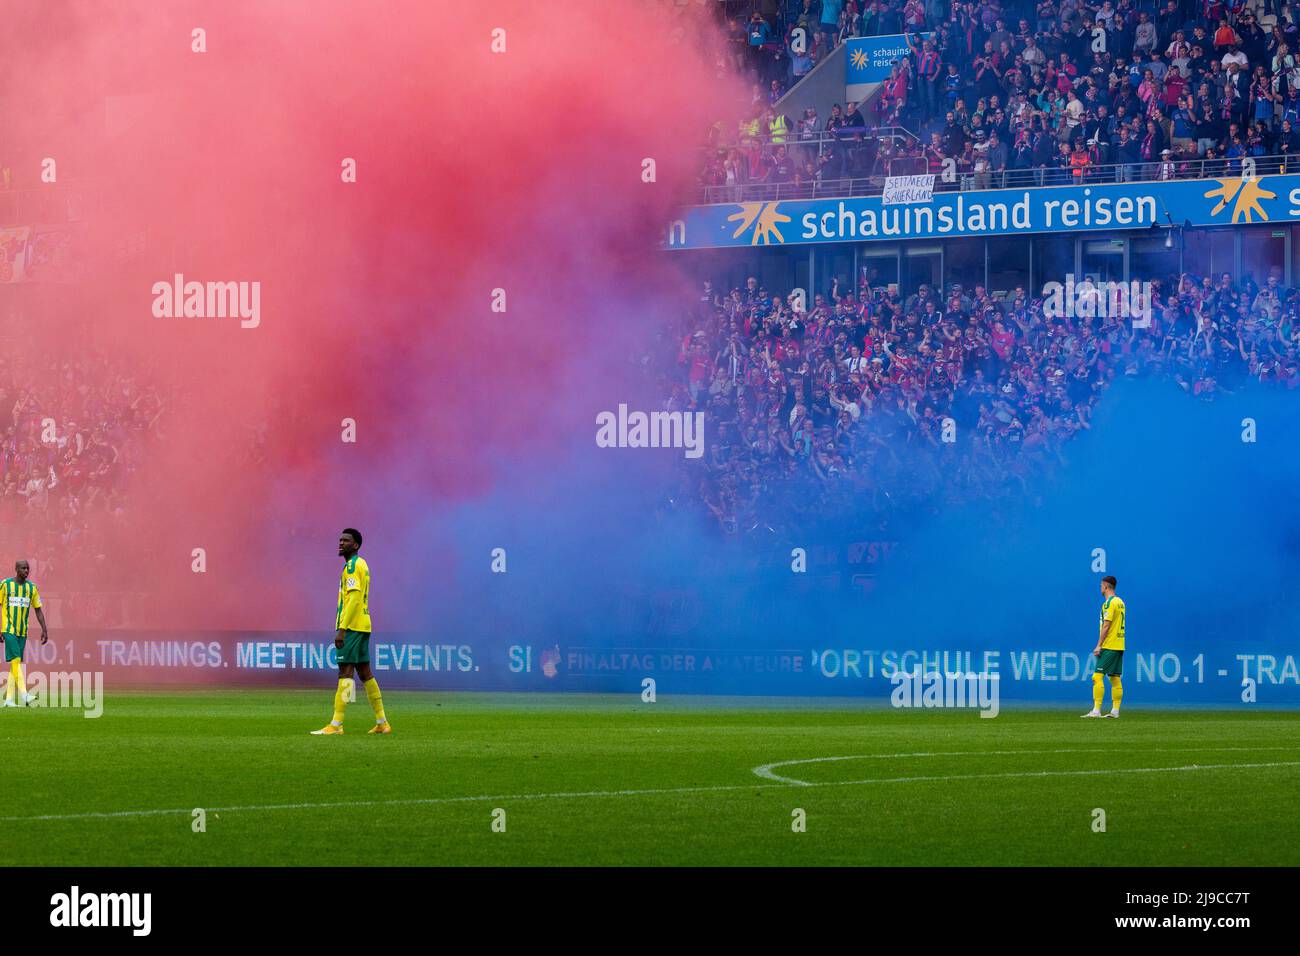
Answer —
1015 93
71 434
842 408
778 42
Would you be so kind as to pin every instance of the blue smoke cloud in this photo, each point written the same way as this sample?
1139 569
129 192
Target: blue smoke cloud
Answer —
1201 528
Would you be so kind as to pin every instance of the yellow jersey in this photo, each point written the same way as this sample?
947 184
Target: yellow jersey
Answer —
1112 609
354 596
17 598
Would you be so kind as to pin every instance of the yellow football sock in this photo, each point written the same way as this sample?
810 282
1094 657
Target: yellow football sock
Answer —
1116 693
16 668
1098 690
341 698
376 702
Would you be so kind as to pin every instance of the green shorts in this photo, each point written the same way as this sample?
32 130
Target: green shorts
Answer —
14 647
1110 663
356 648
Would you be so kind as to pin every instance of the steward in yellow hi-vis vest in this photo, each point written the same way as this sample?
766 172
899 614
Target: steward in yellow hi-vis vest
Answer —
18 599
352 637
1109 650
778 128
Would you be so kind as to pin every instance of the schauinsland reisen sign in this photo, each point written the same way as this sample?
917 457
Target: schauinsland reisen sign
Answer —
1202 202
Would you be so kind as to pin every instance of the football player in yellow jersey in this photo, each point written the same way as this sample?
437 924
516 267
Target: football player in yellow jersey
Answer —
1109 651
352 637
18 598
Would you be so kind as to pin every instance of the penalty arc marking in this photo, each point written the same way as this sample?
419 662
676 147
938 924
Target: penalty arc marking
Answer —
767 770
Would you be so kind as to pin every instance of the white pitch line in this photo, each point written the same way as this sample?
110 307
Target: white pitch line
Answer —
502 798
765 771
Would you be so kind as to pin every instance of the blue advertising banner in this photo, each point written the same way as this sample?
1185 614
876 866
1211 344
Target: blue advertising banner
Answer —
1247 672
868 59
1084 208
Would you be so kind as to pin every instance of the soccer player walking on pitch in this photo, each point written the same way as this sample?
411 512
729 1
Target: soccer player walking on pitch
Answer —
18 598
352 636
1109 650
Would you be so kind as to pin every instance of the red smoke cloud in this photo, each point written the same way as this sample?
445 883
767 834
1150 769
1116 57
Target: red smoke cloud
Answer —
475 170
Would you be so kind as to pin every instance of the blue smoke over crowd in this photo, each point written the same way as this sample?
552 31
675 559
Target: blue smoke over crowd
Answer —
1188 503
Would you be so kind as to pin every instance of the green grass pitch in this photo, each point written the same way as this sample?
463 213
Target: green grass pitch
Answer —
611 780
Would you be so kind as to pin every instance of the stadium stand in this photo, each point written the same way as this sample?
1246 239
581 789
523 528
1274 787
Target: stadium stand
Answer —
50 490
1021 94
846 401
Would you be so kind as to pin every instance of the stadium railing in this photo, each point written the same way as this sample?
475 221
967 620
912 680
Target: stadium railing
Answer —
1022 178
